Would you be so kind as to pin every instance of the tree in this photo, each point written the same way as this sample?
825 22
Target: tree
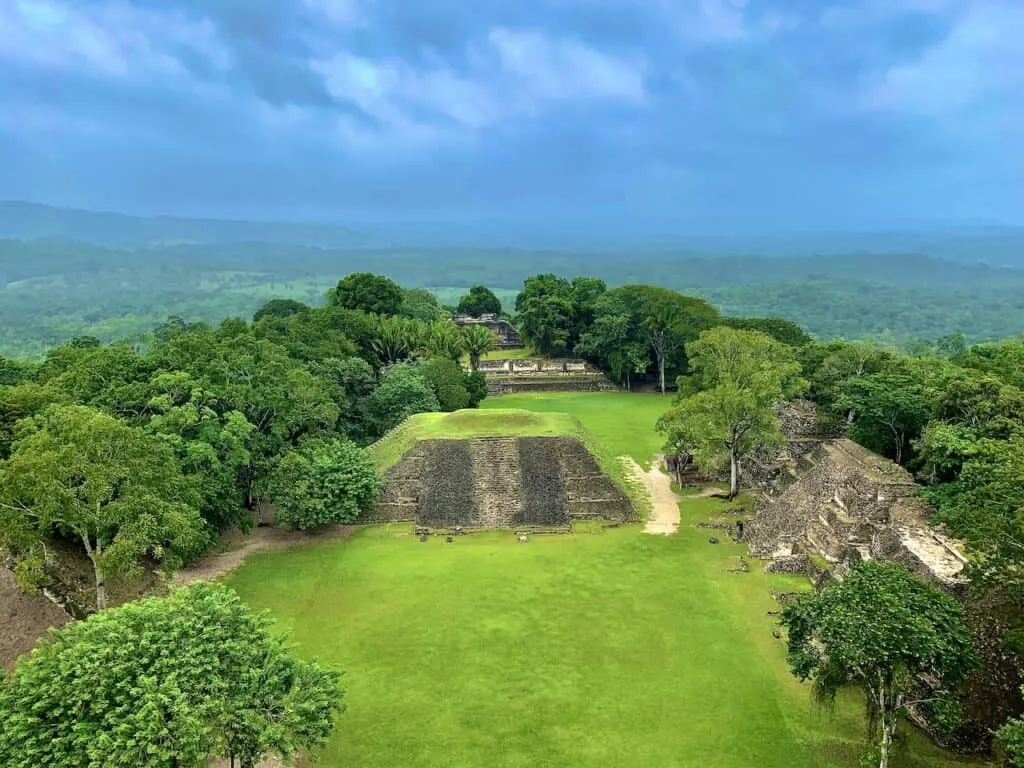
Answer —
326 483
280 308
113 487
728 406
888 409
375 294
545 314
421 304
881 629
479 301
202 677
403 391
785 331
449 382
445 339
398 338
477 340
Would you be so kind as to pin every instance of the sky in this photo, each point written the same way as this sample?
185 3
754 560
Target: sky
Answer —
682 116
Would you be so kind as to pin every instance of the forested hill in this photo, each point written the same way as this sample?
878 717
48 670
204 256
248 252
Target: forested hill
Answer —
54 289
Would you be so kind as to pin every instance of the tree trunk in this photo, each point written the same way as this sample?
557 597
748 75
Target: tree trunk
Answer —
101 582
888 726
474 362
734 473
661 372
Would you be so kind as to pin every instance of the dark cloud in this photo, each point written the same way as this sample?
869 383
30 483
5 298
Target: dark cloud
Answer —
675 113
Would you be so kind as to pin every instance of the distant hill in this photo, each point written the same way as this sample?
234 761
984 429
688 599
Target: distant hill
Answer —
30 221
988 244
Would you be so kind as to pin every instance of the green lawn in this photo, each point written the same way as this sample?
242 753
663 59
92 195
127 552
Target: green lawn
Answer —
609 648
622 421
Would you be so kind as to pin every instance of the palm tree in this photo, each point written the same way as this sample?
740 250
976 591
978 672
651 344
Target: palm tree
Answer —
446 340
478 339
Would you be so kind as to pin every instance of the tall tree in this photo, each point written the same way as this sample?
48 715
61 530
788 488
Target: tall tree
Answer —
478 340
479 301
881 629
116 489
202 677
445 339
375 294
403 391
545 314
887 409
728 406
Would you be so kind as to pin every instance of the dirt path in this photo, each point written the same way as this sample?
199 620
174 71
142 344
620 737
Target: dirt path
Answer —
664 518
259 540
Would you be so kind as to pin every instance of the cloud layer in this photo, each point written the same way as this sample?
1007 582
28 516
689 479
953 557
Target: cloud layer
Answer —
669 115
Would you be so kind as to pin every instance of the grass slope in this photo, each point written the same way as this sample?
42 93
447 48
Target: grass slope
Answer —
623 422
610 648
505 423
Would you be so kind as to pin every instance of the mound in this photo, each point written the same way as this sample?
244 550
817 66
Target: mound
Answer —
533 483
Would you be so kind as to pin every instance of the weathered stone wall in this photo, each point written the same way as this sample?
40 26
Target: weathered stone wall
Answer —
508 385
529 482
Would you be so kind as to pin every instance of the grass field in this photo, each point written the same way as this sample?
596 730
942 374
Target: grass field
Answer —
622 421
609 648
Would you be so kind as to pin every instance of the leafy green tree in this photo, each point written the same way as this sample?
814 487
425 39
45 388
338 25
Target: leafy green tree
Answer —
116 489
420 304
1004 360
785 331
889 410
280 308
446 339
479 301
400 338
324 484
374 294
478 340
612 340
351 381
544 311
307 336
202 677
881 629
211 443
448 381
729 405
403 391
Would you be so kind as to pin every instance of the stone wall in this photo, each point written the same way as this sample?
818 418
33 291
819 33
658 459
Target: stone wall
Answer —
499 482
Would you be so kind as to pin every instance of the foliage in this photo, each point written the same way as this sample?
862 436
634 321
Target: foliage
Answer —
881 628
324 484
445 339
479 301
201 677
280 308
477 341
420 304
448 382
403 391
888 410
374 294
544 312
728 406
114 488
784 331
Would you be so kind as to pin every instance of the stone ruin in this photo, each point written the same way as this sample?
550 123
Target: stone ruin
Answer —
531 484
543 375
841 503
825 503
506 336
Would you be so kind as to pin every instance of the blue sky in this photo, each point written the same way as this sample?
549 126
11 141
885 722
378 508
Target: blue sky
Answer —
736 116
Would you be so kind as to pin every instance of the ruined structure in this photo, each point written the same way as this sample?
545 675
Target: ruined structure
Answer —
825 503
507 336
543 375
527 483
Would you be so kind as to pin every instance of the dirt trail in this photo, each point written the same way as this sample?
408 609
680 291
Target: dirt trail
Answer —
664 518
259 540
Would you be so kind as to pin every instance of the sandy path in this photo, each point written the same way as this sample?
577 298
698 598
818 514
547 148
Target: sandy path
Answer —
664 518
259 540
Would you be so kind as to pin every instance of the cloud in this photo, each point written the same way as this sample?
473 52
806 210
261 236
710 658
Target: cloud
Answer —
736 111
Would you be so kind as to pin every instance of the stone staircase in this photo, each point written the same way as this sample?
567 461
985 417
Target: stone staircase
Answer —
497 487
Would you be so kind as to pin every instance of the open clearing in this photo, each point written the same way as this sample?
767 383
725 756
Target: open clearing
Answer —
609 647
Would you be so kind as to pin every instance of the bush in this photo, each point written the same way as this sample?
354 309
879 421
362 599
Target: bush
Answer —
330 483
